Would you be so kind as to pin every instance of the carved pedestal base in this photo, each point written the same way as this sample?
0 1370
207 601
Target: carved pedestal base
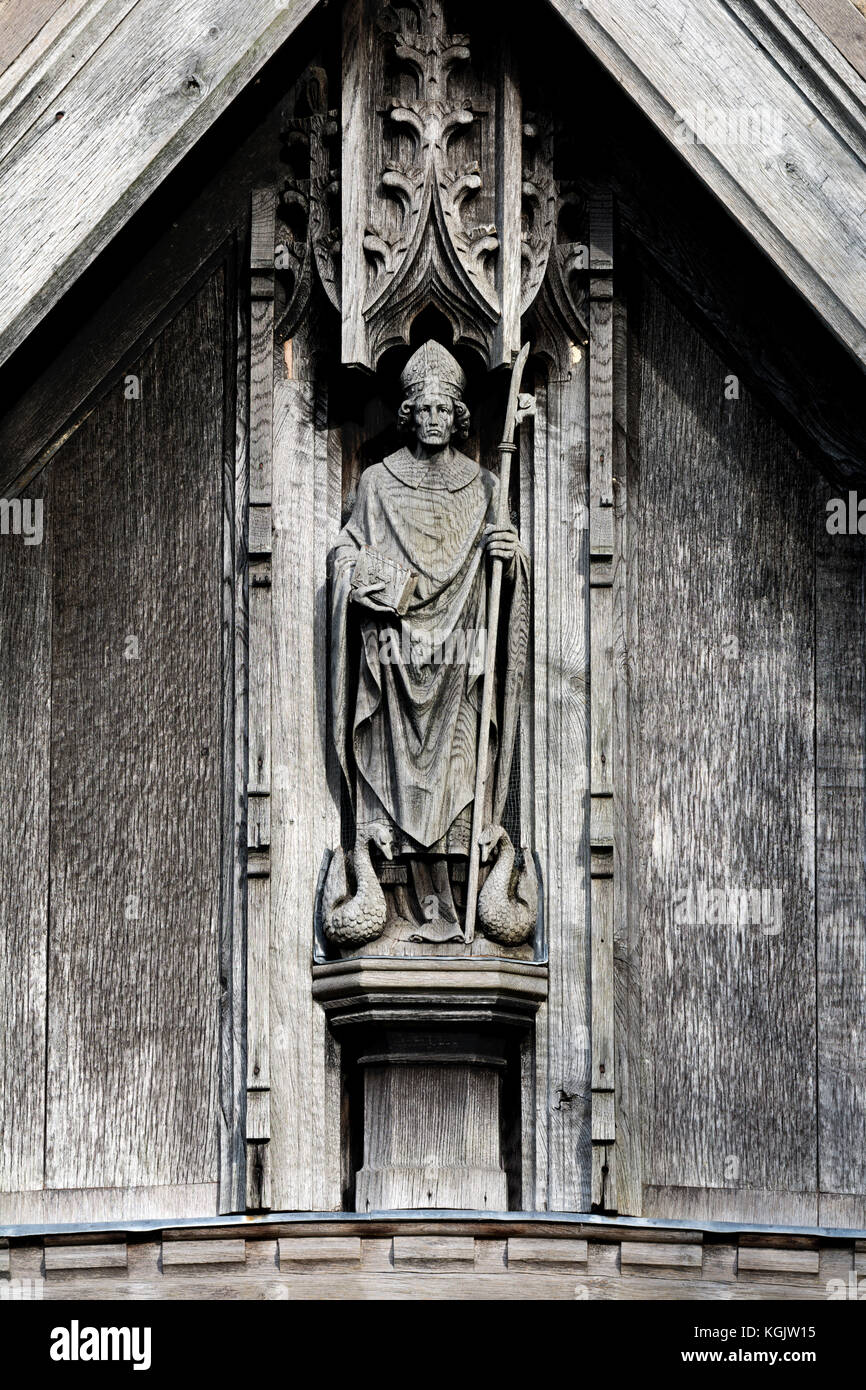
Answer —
431 1138
432 1068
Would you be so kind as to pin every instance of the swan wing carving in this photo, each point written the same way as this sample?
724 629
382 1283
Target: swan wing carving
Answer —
508 902
353 918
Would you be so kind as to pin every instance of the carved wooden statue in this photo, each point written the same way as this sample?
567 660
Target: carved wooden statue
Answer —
409 617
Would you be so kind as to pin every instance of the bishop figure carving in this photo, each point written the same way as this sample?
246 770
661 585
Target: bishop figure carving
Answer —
410 591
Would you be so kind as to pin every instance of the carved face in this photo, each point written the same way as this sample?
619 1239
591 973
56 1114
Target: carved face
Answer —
433 418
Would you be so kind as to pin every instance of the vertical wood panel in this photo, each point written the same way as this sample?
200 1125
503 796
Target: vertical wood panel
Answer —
606 762
564 525
135 779
841 875
626 807
25 729
235 708
304 819
724 724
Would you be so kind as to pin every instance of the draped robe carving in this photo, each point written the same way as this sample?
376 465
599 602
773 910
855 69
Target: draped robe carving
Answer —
406 690
406 720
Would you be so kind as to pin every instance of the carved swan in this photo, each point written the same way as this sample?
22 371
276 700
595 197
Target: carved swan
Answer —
508 902
352 919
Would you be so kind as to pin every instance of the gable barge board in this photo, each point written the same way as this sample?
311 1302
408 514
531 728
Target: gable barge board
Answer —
719 277
120 302
75 176
801 197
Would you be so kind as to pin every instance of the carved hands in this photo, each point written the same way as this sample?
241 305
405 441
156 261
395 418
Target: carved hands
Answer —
503 543
365 596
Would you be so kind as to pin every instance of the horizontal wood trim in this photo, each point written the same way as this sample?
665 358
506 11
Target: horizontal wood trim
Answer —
341 1286
731 1204
546 1253
203 1252
323 1263
327 1250
653 1253
437 1250
104 1204
780 1261
85 1257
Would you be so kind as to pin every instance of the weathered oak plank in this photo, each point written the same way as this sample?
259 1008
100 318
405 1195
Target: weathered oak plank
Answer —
562 685
25 732
723 726
840 750
305 1145
801 200
179 65
136 748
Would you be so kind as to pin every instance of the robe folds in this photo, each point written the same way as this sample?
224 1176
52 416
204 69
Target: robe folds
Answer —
406 692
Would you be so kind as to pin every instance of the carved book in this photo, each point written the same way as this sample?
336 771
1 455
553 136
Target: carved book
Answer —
374 568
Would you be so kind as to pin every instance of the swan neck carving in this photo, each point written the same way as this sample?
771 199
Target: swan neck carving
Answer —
508 902
355 918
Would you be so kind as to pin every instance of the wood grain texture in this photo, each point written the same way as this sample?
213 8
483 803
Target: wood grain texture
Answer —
723 727
232 1037
25 733
258 777
162 256
136 748
779 1261
843 25
524 1252
647 1252
627 944
843 1211
42 67
85 1257
431 1139
357 53
203 1252
562 769
840 750
449 1288
304 1067
438 1259
535 789
22 20
179 65
62 1206
606 765
731 1204
442 1252
336 1251
800 199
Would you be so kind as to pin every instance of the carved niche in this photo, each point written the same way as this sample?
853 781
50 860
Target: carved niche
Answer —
430 190
425 234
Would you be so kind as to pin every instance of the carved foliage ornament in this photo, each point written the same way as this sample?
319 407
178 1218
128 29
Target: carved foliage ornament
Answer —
424 241
448 195
309 233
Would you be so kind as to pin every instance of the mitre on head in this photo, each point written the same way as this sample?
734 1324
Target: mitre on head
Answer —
433 367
